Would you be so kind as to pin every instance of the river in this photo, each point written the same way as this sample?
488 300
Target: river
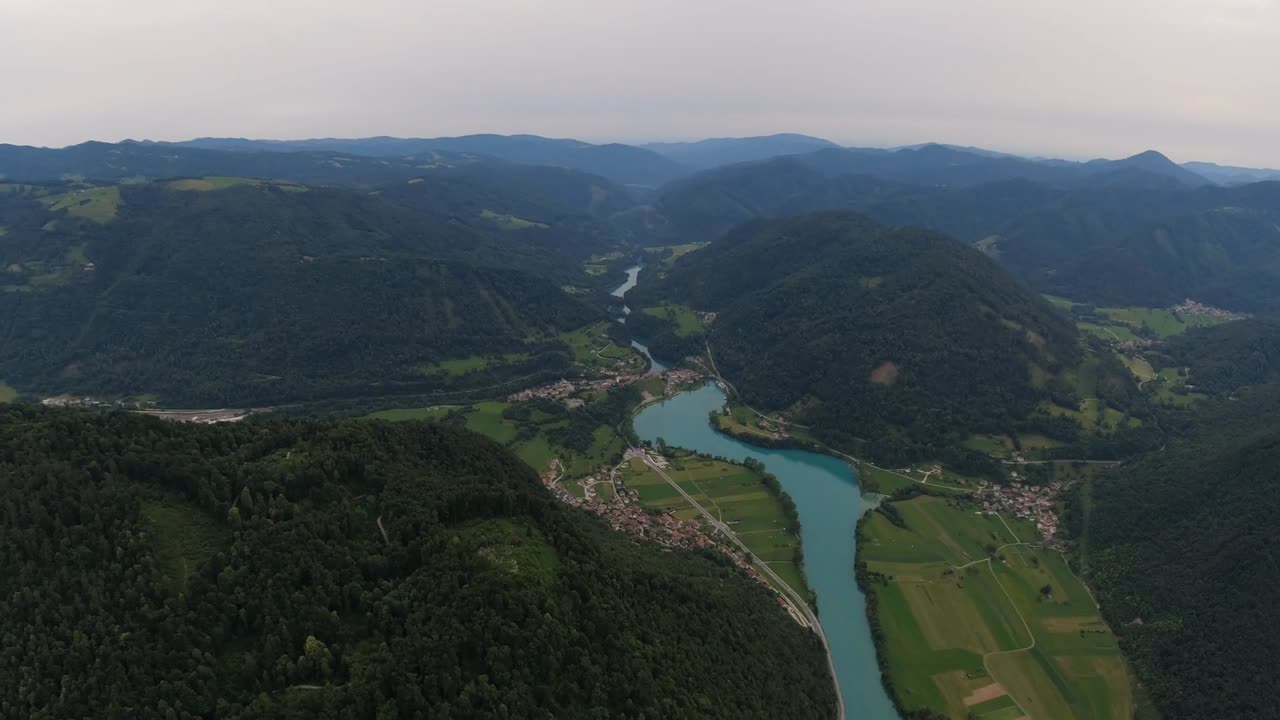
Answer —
825 491
633 273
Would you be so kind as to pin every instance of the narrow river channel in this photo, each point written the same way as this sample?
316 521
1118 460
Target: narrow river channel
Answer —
633 273
825 491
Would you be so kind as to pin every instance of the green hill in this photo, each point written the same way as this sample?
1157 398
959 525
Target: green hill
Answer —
260 293
902 337
360 569
1180 546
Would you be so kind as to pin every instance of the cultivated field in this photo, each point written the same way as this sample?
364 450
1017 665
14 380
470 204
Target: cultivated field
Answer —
676 251
978 625
687 322
99 204
735 495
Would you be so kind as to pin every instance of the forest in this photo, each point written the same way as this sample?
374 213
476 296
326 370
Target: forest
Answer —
893 343
354 569
1180 551
259 294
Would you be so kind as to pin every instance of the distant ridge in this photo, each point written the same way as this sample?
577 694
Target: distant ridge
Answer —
714 152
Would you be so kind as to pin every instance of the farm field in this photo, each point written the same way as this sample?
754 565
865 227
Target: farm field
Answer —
509 222
98 204
979 627
1093 415
687 322
217 182
1162 322
735 494
1002 446
591 346
676 251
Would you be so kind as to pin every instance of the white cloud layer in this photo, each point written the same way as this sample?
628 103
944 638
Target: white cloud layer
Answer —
1194 78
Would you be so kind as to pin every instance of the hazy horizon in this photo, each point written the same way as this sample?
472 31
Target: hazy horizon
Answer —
1190 78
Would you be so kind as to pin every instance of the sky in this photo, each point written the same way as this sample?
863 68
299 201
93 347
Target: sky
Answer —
1195 79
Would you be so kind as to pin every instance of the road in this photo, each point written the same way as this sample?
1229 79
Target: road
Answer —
799 606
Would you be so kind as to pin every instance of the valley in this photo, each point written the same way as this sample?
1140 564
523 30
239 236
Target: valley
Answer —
902 453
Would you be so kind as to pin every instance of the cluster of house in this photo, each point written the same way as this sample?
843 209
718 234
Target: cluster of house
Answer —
1191 307
1027 502
562 389
677 379
624 513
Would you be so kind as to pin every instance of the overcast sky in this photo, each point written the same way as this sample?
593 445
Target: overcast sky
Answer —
1197 79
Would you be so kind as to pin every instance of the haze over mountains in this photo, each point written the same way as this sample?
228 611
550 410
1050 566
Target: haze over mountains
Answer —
649 164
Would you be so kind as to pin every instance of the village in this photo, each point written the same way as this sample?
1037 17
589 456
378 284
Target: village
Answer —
1196 309
673 381
624 513
1035 503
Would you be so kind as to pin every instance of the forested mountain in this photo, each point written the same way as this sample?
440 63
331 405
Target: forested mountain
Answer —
133 161
620 163
1231 175
902 337
714 152
1225 358
313 569
1180 550
703 207
566 211
1154 248
1120 235
260 293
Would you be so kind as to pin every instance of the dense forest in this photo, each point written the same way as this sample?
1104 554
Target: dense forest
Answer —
902 337
1226 357
1140 231
1181 552
319 569
262 294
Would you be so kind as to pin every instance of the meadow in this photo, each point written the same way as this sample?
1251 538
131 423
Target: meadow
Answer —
676 251
687 322
979 624
736 495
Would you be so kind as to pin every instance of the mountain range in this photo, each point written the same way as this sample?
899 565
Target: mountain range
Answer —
645 165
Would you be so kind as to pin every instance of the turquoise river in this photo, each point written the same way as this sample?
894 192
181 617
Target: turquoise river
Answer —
825 491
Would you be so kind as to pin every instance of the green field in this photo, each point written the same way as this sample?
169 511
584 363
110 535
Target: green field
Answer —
686 320
676 251
1170 389
217 182
7 393
182 535
510 222
735 495
591 346
98 204
970 631
1140 368
1162 322
1093 416
741 421
462 366
1109 333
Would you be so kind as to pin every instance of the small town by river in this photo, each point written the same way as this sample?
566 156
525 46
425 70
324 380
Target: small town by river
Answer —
829 502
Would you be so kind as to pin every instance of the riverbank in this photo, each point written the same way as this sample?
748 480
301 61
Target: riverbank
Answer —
828 501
